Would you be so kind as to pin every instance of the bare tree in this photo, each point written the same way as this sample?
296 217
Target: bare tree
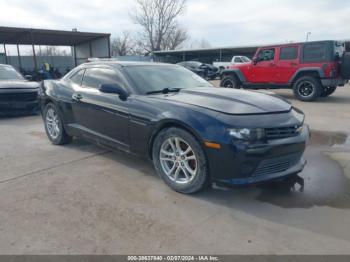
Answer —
122 45
158 20
174 39
203 43
52 51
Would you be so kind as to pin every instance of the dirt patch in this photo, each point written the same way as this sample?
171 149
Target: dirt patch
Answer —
328 138
37 134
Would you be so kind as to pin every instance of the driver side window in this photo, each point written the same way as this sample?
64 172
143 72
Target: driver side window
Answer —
77 77
94 77
266 55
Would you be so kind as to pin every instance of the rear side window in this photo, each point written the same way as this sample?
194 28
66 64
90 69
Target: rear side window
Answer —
315 52
289 53
77 77
94 77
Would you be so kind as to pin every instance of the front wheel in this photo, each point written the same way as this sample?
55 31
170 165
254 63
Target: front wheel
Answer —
54 126
329 90
307 88
180 161
230 81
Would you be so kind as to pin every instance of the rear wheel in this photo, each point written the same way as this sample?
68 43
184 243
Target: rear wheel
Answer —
327 91
180 161
307 88
230 81
54 126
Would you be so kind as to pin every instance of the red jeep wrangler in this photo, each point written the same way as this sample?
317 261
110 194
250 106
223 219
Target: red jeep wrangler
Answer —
311 69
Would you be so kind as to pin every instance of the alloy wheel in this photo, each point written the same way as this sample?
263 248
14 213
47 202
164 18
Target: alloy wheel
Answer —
306 89
178 160
52 123
228 84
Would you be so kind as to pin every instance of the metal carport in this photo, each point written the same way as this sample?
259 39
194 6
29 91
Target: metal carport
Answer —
84 44
209 55
206 55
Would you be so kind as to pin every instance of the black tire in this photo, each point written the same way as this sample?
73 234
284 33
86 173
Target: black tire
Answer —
230 81
62 137
199 180
329 90
307 88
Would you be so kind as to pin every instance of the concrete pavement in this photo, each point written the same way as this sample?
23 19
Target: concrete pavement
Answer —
81 199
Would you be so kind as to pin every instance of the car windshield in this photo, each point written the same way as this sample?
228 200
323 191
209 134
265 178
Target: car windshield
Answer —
152 78
9 73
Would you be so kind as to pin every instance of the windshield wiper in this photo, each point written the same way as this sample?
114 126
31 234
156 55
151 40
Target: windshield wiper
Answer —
164 91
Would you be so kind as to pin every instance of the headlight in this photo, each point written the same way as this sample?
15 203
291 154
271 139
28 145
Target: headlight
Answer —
247 133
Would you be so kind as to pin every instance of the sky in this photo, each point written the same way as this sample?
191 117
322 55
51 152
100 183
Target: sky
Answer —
219 22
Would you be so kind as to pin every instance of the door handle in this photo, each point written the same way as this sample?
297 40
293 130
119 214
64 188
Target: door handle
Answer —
77 97
272 64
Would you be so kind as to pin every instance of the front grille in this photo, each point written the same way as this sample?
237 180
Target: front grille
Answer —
276 165
19 97
281 132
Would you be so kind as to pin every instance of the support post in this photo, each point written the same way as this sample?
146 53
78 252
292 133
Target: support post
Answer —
90 49
109 47
6 60
19 57
34 55
183 56
75 56
220 55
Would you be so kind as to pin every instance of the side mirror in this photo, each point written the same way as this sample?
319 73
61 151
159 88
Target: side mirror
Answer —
255 60
114 89
28 77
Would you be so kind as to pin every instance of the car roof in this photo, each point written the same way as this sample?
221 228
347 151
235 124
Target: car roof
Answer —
125 63
299 43
112 63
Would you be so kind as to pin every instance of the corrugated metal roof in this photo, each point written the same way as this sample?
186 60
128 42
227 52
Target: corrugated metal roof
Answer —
28 36
227 48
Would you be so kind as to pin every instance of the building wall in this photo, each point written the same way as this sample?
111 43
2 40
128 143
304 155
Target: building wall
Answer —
134 58
60 62
97 49
2 58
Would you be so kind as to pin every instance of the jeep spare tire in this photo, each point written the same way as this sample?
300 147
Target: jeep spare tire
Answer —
345 66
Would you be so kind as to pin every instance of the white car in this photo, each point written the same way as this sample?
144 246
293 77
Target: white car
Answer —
235 60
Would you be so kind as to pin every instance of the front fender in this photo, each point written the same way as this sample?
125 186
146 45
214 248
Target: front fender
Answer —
236 71
204 127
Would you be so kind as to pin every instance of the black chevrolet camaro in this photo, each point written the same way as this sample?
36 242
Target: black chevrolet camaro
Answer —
195 134
17 95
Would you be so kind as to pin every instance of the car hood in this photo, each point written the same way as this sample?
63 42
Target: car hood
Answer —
231 101
17 84
240 65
